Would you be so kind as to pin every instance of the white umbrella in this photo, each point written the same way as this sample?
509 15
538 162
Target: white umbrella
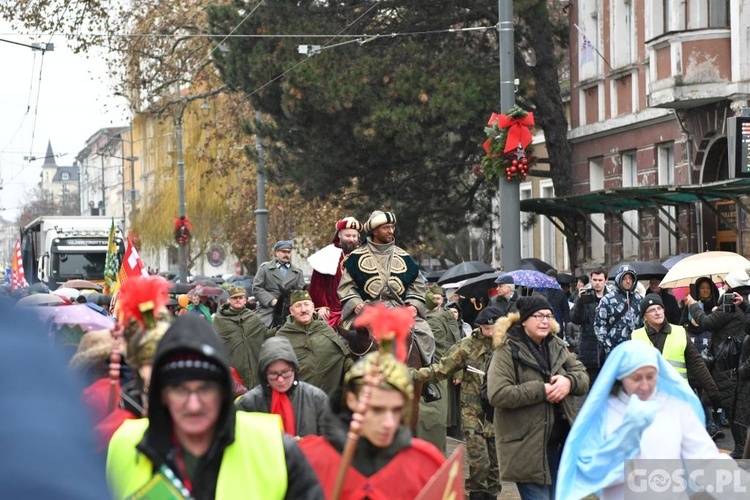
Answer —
714 265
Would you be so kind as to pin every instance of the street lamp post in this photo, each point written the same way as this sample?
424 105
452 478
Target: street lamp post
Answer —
102 210
261 214
510 211
181 249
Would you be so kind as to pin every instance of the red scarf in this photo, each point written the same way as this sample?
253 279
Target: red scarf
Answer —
280 405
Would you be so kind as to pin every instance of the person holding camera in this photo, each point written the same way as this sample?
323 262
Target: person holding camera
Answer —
583 314
727 326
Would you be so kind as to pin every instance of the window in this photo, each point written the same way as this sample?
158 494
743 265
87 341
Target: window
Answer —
596 182
718 13
665 164
630 243
546 227
622 43
527 224
709 14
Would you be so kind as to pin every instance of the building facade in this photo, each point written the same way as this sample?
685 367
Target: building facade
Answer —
653 83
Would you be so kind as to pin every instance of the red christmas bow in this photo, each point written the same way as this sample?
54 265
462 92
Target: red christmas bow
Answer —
518 129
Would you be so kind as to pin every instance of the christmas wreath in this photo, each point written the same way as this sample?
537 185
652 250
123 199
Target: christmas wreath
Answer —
508 146
182 230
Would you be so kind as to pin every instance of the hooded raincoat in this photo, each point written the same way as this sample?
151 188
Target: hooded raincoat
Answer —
309 403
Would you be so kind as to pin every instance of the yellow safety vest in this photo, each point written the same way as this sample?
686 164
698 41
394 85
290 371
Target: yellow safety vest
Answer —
674 347
253 466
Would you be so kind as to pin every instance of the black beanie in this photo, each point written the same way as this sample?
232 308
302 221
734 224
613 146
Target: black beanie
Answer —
649 300
182 366
529 305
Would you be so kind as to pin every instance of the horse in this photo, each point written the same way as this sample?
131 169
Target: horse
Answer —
361 342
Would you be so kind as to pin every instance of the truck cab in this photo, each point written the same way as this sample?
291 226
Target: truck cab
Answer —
58 249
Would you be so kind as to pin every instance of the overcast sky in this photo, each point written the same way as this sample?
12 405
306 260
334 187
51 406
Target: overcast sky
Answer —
68 105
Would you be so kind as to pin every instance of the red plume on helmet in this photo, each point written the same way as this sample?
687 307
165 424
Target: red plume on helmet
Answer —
388 326
142 297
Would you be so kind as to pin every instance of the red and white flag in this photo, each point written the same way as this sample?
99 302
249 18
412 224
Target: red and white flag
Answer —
17 275
131 266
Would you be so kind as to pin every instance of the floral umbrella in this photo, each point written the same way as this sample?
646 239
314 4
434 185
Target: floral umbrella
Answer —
79 314
534 279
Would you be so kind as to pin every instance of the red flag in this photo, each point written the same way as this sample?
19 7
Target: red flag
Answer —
17 275
448 481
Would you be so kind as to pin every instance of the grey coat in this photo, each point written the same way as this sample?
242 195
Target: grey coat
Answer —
269 284
310 403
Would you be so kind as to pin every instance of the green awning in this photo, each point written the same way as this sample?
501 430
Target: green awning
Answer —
633 198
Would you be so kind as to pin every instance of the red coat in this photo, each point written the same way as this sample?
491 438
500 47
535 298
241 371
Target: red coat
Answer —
323 291
402 477
96 397
107 426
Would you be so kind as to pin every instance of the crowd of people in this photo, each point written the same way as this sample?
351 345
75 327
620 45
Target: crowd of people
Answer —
272 395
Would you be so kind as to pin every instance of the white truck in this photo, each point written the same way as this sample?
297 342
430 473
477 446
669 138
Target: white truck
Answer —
56 249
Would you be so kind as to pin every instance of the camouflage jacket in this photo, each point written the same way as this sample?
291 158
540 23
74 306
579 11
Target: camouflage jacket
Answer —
474 350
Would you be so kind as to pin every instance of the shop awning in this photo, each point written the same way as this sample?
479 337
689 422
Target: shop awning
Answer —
616 201
633 198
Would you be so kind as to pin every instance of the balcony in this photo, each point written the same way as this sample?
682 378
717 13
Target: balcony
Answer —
690 68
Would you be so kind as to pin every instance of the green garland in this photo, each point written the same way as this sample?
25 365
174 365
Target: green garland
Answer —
514 166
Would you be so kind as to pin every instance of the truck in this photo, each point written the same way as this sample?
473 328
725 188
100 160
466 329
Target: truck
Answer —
56 249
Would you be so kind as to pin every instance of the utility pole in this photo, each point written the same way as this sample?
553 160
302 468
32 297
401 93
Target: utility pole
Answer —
510 203
261 214
104 200
182 251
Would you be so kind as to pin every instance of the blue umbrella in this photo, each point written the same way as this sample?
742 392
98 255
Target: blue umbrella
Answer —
671 261
534 279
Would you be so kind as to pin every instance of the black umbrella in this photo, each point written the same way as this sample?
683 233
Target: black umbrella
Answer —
478 287
644 270
180 288
433 276
532 264
465 270
565 278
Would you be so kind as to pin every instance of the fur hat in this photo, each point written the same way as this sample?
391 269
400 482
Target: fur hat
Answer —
652 299
283 244
737 278
94 348
348 223
298 295
378 218
529 305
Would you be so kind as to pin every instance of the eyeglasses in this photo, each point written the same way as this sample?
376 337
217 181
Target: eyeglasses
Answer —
541 317
284 374
205 393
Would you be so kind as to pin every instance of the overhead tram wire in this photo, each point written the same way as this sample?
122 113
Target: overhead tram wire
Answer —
327 44
230 35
